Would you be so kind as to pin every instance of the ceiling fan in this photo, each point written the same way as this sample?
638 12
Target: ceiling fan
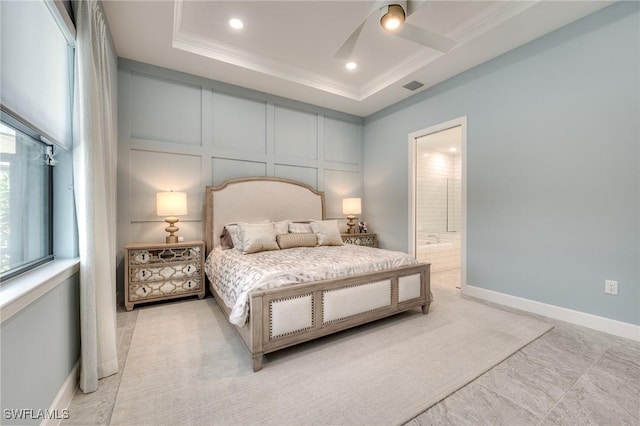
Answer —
392 19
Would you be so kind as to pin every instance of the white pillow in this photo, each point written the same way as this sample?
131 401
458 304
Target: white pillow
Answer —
300 227
327 232
282 227
258 237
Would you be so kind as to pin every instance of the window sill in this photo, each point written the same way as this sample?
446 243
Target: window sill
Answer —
19 292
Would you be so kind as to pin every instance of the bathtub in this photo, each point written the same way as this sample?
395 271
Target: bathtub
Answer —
441 255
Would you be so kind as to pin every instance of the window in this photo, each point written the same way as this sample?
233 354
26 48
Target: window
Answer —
25 201
36 68
36 92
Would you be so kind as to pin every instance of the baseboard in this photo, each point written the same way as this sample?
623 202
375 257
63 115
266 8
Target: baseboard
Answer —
60 405
617 328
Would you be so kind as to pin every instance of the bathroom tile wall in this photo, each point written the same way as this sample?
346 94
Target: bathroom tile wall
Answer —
433 169
435 244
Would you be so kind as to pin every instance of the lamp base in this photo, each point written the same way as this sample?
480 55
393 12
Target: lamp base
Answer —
351 224
172 238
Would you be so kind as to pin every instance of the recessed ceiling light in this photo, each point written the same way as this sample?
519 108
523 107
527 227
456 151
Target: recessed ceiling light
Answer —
351 65
452 149
236 23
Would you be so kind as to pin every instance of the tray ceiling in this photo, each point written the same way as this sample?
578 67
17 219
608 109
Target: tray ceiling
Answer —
287 48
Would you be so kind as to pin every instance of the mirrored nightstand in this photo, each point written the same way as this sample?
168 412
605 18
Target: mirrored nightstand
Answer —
163 271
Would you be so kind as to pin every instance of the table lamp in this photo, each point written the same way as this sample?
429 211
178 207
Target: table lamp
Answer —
351 207
171 204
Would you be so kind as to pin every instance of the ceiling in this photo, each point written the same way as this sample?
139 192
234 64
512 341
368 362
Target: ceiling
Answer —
287 48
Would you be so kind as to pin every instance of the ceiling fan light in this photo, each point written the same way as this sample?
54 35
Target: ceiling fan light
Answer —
393 18
391 23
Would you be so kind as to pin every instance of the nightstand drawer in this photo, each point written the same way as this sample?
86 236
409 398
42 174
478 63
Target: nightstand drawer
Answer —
164 255
157 289
369 240
163 271
168 271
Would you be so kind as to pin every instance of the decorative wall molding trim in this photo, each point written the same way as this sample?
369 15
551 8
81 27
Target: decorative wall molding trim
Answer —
64 397
240 132
617 328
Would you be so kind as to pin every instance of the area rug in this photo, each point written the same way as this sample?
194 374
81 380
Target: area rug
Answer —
186 366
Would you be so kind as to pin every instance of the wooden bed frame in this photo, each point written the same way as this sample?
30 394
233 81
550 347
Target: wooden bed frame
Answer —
286 316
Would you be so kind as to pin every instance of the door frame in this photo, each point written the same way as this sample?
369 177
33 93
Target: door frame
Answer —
413 136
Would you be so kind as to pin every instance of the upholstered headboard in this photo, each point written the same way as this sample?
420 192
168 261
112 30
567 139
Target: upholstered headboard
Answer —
256 199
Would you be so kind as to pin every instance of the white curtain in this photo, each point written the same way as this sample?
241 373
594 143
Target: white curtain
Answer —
94 169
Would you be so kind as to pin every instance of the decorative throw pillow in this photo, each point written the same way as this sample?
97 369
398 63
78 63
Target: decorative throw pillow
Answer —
298 239
258 237
282 227
300 227
327 232
234 231
226 242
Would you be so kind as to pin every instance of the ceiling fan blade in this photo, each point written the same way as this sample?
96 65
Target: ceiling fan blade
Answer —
346 49
425 37
413 5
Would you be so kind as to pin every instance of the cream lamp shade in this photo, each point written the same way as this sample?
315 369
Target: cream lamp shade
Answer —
351 207
171 204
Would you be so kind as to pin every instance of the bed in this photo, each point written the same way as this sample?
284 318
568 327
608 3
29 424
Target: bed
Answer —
319 300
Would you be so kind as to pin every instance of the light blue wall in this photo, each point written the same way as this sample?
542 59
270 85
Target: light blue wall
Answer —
40 346
553 201
181 132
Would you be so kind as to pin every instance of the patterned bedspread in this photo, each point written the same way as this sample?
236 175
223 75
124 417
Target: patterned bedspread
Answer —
234 274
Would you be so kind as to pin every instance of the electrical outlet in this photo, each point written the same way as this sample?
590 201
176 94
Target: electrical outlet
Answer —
181 240
611 287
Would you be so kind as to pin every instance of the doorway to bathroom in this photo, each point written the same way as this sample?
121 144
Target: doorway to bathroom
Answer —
437 196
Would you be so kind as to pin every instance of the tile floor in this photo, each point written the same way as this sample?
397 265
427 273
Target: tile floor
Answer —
570 376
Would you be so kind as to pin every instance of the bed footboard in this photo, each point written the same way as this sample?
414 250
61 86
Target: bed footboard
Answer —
287 316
